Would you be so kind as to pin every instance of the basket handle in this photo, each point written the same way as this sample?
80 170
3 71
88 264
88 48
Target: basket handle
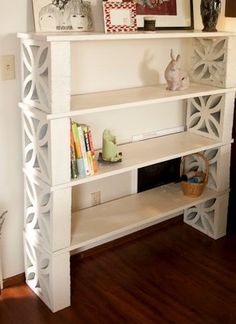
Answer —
182 164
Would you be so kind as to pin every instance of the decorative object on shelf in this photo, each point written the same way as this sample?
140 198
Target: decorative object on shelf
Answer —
177 79
62 15
109 147
210 10
2 218
119 16
170 14
194 181
101 160
149 23
230 8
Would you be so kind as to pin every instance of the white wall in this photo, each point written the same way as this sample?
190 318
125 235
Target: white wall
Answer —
13 20
14 16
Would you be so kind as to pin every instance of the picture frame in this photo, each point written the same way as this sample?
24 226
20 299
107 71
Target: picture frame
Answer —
168 14
230 8
119 16
62 15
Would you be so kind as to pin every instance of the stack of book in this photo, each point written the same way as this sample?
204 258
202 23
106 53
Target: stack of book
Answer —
83 162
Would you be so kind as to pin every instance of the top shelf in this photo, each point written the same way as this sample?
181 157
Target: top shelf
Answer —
89 103
101 36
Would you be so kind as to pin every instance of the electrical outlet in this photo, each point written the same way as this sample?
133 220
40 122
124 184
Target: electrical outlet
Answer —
8 67
95 198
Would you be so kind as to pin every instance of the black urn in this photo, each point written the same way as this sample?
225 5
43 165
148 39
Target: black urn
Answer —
210 10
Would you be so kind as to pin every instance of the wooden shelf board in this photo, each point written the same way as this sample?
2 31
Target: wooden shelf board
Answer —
143 153
101 36
117 218
133 97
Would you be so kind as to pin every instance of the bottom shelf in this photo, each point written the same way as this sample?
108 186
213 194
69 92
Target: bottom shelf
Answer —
100 224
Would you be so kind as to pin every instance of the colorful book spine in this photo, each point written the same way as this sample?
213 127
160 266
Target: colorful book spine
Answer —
74 170
76 140
78 150
83 160
83 150
88 149
90 137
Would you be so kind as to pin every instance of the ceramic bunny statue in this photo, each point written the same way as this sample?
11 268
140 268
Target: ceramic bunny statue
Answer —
176 78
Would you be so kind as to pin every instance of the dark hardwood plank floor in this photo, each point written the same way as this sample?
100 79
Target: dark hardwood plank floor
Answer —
172 275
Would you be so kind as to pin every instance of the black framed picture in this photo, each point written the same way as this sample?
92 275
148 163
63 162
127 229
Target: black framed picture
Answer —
168 14
230 8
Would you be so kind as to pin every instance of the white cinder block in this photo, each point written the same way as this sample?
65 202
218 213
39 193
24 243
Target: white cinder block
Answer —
61 221
213 61
211 116
46 146
219 168
59 77
35 143
59 150
209 60
230 80
47 215
35 82
48 275
60 289
209 217
227 117
46 75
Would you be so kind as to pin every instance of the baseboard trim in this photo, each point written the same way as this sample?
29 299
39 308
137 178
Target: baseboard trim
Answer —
14 281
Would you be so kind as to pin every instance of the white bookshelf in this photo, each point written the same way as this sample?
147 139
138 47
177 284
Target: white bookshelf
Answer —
90 103
51 231
134 97
100 36
154 151
114 219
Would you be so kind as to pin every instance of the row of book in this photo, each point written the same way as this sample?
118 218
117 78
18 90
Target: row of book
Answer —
83 162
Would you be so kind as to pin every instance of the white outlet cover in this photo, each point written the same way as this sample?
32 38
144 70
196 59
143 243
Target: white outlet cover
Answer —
8 67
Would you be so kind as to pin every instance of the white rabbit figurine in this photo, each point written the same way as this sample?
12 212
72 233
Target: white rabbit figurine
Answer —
176 78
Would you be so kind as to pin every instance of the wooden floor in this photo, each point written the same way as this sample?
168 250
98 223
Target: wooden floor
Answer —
173 275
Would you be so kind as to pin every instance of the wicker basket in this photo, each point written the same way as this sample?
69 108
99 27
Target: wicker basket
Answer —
194 189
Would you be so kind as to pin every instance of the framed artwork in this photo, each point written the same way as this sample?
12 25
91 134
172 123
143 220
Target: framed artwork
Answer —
230 8
62 15
119 16
169 14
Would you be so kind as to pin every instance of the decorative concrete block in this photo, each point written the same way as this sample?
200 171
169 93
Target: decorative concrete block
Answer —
46 75
209 217
219 168
48 275
212 116
46 146
212 61
230 80
209 61
47 214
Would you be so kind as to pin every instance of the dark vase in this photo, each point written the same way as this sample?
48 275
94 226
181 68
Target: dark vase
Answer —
210 10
